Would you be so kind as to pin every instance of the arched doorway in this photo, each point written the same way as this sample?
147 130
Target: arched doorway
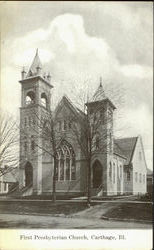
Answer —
28 174
97 174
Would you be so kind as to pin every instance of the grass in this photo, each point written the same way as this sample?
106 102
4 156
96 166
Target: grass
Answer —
47 207
131 211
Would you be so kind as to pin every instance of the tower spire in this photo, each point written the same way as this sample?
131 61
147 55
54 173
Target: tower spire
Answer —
36 64
99 94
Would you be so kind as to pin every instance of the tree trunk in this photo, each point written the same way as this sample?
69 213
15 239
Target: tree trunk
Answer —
54 182
89 184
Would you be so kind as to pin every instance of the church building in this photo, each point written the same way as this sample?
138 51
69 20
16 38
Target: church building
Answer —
118 166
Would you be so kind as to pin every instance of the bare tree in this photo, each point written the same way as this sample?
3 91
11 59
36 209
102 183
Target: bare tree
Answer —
9 141
45 138
93 127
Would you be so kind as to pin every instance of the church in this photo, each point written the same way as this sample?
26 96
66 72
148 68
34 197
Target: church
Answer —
118 166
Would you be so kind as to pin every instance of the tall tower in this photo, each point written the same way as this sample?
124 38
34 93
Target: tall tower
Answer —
101 110
35 103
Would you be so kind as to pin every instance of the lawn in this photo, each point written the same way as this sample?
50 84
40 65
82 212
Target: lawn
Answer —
136 211
41 207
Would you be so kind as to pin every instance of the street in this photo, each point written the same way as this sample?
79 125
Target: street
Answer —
48 222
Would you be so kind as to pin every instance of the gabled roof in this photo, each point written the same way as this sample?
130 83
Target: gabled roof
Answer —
67 101
36 63
125 147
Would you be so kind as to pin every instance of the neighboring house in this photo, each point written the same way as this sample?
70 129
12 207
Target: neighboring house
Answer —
8 179
117 170
149 181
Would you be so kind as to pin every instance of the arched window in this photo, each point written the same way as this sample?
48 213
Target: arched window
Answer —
44 100
66 169
30 98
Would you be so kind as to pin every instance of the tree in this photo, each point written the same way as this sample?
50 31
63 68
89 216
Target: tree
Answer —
9 140
93 128
46 138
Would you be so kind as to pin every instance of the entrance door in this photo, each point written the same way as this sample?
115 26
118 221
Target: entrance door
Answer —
28 174
97 174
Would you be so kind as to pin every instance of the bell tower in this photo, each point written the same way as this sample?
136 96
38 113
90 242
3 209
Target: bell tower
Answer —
35 103
101 110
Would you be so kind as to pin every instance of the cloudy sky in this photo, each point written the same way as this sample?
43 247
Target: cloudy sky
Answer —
78 42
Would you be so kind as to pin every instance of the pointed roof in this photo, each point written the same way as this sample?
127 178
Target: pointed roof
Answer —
36 63
67 101
99 94
125 147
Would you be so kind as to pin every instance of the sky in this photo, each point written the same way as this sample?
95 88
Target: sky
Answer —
78 42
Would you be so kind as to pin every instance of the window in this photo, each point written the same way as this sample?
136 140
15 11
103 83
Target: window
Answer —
29 121
33 120
66 162
25 146
25 122
140 178
143 178
32 143
136 176
110 171
120 171
30 98
110 116
65 125
113 172
59 126
73 169
62 168
67 168
128 175
5 186
44 100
